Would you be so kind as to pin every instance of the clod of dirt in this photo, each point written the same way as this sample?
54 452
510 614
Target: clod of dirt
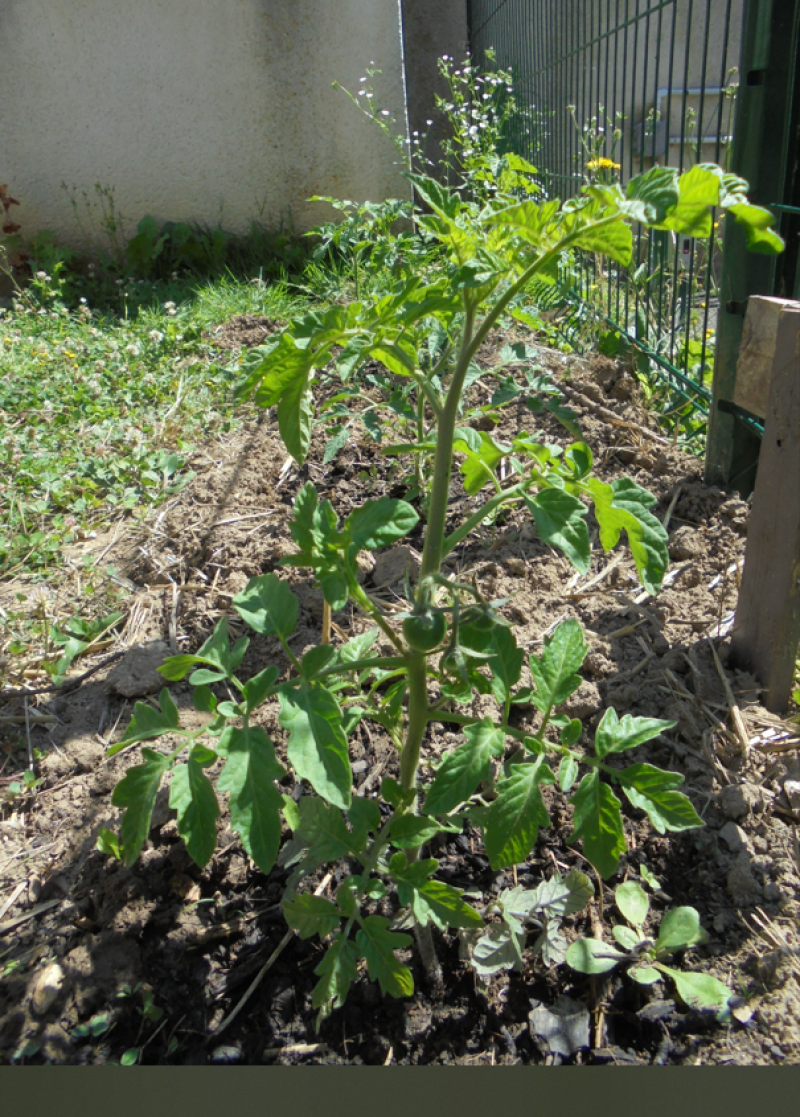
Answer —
391 566
243 330
137 672
564 1029
734 837
99 969
684 544
47 988
737 801
743 887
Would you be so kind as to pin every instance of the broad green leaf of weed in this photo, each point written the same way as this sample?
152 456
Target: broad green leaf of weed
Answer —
463 769
598 821
632 902
614 240
560 520
377 523
251 768
700 991
555 670
337 972
624 504
757 222
148 723
680 928
615 735
499 948
317 744
515 815
699 190
311 915
657 189
593 956
653 791
269 606
377 944
136 793
192 796
505 665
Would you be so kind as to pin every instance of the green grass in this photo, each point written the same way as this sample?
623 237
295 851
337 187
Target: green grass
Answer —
99 405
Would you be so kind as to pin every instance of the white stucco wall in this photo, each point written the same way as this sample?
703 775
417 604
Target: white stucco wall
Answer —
212 110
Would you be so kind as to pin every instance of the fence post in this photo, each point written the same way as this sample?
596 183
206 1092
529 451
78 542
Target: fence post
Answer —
766 632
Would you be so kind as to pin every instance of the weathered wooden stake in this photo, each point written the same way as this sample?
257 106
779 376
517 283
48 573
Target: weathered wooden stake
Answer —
766 631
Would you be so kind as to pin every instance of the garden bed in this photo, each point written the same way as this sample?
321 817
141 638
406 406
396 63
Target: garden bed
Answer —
158 957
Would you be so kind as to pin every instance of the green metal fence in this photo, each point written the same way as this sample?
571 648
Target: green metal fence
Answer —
614 87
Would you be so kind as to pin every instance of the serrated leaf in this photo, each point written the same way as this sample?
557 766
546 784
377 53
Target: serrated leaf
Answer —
148 723
515 815
560 520
554 671
269 606
192 796
558 896
411 831
441 904
311 915
632 902
464 769
679 929
337 972
551 943
505 665
567 773
136 793
700 991
257 688
624 505
652 790
377 944
357 647
317 744
593 956
479 467
255 803
377 523
598 821
615 735
365 816
323 831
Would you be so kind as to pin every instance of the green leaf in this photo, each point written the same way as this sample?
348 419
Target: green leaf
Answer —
192 796
365 816
679 929
626 938
479 467
624 504
505 665
614 240
108 843
652 790
516 815
311 915
268 606
593 956
554 672
316 660
658 190
255 803
136 793
613 735
645 975
700 991
337 972
632 902
560 520
556 897
357 647
699 191
377 523
598 820
323 831
377 944
499 948
441 904
757 222
464 769
317 744
411 831
257 688
148 723
567 773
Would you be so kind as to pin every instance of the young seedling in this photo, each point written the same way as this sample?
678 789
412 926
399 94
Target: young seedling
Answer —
407 672
644 959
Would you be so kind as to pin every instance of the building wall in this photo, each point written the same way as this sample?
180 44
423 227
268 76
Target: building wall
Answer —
217 112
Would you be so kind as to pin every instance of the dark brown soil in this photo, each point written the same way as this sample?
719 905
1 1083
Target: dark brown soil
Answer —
196 940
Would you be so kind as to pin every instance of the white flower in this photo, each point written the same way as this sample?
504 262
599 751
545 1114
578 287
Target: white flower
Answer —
156 336
133 348
42 275
384 112
169 306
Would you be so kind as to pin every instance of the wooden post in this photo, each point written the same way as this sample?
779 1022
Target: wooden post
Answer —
766 631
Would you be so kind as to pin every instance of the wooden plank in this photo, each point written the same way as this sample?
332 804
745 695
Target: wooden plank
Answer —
757 354
766 631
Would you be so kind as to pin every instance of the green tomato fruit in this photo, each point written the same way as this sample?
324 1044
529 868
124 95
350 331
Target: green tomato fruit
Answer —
424 631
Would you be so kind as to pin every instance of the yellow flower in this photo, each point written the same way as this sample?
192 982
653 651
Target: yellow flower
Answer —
602 164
